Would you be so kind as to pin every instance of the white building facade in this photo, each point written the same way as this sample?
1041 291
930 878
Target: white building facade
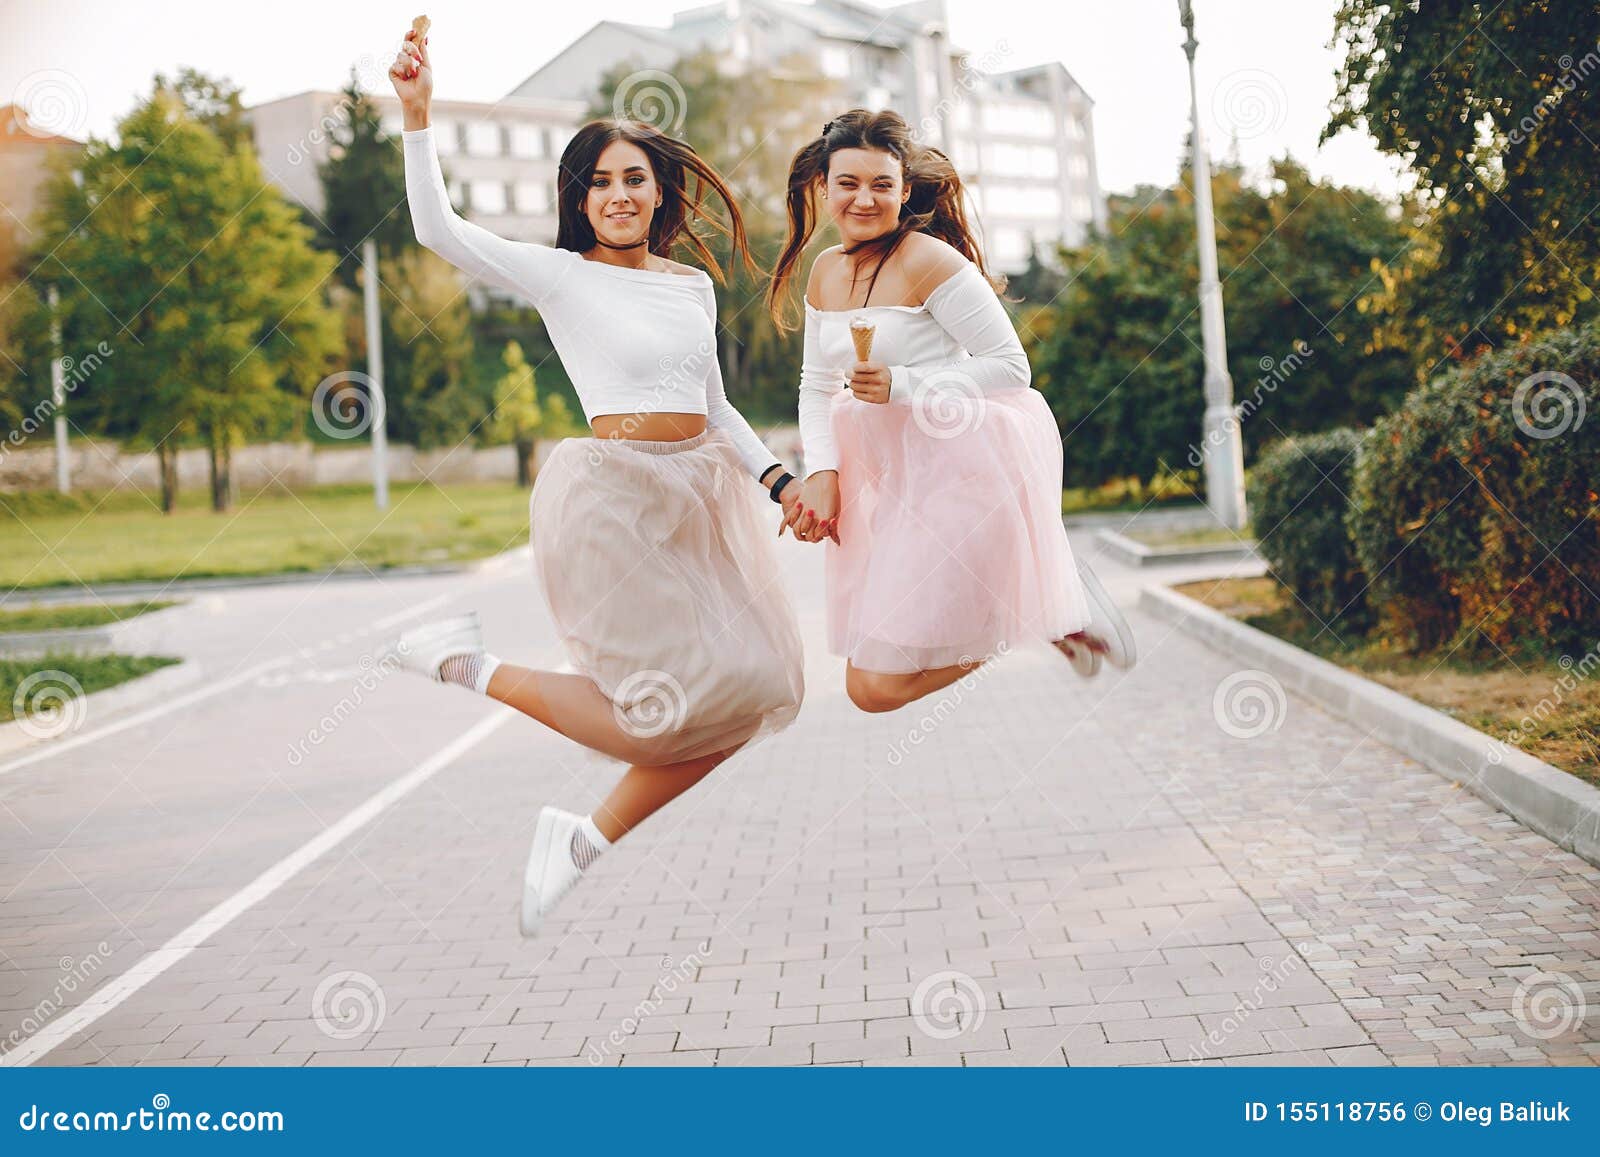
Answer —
1023 139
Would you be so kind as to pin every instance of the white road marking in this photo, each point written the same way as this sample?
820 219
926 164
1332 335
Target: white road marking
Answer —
114 992
62 746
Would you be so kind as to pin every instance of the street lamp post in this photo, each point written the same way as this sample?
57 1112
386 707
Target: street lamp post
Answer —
1223 449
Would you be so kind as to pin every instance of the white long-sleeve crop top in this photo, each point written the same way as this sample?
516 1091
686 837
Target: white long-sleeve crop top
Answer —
959 336
633 341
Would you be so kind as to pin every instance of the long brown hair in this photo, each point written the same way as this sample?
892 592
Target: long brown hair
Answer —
674 163
934 204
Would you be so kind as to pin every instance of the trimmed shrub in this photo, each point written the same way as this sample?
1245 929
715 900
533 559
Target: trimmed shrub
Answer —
1474 508
1299 492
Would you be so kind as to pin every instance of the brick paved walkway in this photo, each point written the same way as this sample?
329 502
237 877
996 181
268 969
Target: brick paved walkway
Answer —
1030 870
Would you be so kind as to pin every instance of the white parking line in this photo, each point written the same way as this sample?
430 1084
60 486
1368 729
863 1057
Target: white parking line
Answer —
119 989
62 746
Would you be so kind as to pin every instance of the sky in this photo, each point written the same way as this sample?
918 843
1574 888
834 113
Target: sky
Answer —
1265 68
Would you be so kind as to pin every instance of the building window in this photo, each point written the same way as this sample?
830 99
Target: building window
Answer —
1081 208
483 139
1019 118
835 61
527 141
532 197
488 197
444 137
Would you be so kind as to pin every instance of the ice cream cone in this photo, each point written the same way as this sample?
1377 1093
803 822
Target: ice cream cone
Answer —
420 26
861 331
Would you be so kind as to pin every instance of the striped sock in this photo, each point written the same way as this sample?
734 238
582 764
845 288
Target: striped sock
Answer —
471 671
587 844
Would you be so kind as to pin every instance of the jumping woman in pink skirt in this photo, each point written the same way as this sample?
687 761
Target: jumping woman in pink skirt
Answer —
651 551
933 467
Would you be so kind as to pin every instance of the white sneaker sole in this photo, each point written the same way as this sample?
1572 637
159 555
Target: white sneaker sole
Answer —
1120 650
539 863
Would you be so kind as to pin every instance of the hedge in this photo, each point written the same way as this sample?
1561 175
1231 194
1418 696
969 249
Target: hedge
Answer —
1299 492
1474 509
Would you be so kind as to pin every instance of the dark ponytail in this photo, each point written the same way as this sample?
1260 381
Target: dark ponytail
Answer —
935 204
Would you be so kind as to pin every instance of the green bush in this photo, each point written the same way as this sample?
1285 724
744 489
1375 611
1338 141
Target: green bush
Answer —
1298 496
1474 508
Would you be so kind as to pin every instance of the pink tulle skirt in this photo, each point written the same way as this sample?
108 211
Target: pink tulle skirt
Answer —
951 540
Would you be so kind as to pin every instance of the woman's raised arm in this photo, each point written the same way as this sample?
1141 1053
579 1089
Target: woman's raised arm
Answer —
520 267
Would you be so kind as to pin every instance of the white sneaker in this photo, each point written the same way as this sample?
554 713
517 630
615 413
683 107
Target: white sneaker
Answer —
1107 628
424 649
551 873
1085 659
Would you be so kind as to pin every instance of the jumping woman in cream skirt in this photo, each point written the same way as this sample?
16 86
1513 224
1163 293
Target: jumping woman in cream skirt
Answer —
648 541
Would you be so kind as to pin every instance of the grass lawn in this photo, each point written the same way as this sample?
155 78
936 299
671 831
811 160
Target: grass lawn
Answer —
93 673
1202 536
48 539
1492 697
48 618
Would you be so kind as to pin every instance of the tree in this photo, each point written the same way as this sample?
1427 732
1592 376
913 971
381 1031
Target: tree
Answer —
1309 336
1491 106
214 102
517 416
363 186
172 249
427 350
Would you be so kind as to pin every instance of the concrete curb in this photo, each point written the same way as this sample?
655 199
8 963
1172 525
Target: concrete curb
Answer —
138 692
178 587
1560 807
1184 517
1135 553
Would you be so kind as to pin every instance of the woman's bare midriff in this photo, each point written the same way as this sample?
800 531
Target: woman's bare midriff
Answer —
649 427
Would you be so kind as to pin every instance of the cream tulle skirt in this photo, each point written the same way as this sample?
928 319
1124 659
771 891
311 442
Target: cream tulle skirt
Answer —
661 578
951 540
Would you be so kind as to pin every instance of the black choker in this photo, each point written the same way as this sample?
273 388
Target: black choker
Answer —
634 245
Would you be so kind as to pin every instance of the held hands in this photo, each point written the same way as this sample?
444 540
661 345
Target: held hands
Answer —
815 513
412 73
869 382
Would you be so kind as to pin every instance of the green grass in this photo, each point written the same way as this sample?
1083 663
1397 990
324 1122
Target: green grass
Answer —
92 673
1497 697
1204 536
47 539
47 618
1128 496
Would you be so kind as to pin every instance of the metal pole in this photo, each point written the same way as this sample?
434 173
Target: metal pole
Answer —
58 395
380 437
1224 447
